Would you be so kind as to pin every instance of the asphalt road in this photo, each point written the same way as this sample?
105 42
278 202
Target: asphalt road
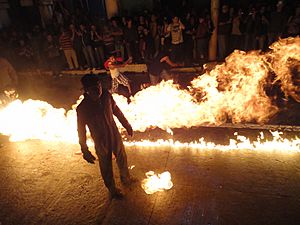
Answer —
48 183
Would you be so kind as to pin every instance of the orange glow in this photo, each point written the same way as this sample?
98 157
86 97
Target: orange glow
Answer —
157 182
233 91
277 144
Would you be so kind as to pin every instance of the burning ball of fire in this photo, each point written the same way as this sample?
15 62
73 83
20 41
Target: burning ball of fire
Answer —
154 183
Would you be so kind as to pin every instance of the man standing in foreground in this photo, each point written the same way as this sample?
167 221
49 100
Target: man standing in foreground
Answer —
96 111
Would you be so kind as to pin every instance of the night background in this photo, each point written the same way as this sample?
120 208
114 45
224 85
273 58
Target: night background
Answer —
149 112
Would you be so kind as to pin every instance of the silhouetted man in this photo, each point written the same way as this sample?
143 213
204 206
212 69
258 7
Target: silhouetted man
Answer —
96 111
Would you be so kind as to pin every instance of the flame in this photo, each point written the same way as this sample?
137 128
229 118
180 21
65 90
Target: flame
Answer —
284 60
34 119
154 183
233 91
277 144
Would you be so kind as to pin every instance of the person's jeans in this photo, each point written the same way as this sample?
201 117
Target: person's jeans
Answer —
71 58
89 56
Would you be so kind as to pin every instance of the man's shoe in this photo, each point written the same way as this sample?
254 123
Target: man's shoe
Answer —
116 194
129 181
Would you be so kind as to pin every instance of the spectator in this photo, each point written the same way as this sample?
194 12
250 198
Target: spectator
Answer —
250 23
202 37
236 39
189 37
278 22
36 43
148 47
131 40
97 42
87 46
25 55
53 58
108 40
293 26
142 25
69 52
165 37
117 33
261 28
224 30
77 45
153 29
175 29
158 67
8 75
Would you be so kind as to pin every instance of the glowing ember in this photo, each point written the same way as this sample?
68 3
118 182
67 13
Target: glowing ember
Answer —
131 167
154 183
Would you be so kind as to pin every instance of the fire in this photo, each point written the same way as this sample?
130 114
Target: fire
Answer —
284 60
233 91
154 183
35 119
277 144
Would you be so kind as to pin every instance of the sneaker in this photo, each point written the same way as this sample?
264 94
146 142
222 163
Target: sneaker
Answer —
116 194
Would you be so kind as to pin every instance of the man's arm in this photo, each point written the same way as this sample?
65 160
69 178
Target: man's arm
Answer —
81 129
169 61
113 66
118 113
181 25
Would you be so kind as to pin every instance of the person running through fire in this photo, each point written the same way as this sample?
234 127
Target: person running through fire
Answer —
96 111
113 64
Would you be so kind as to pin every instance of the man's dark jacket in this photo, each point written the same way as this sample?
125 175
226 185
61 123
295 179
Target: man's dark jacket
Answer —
98 116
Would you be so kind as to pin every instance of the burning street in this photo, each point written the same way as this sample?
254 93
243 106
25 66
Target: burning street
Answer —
211 153
47 183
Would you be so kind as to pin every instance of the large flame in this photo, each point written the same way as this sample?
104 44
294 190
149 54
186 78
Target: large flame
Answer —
157 182
284 60
233 91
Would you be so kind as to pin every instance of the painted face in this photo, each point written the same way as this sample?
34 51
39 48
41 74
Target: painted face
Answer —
95 92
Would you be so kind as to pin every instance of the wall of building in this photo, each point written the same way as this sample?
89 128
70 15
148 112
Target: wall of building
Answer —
135 5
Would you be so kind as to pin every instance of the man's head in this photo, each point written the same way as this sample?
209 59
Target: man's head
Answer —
279 5
49 38
92 86
93 27
225 8
113 58
82 27
175 19
114 22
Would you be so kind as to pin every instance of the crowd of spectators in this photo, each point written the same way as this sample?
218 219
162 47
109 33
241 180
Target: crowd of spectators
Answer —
76 41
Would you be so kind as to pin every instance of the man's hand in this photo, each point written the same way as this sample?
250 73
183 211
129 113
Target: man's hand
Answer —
129 130
88 156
